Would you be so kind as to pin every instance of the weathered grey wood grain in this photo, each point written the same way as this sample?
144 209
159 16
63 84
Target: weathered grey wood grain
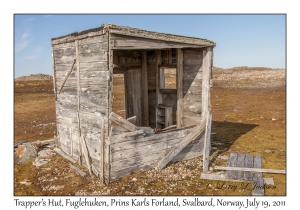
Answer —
257 182
179 84
190 137
66 77
207 143
122 122
206 68
145 112
64 155
130 42
232 163
67 39
248 175
240 163
80 172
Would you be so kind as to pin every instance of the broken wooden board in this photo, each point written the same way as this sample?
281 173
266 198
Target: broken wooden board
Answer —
199 130
122 122
219 177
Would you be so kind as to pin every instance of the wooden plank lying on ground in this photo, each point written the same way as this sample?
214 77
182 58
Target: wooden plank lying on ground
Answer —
122 122
257 170
64 155
80 172
185 141
257 182
219 177
241 164
248 175
231 163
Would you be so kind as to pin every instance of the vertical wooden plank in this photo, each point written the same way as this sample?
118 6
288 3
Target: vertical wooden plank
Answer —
257 183
179 84
54 76
78 101
71 142
169 57
126 92
145 113
161 78
106 170
158 93
207 143
83 147
206 69
102 150
231 163
248 164
240 163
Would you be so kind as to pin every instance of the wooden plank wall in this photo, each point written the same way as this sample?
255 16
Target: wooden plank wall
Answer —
94 89
140 152
192 85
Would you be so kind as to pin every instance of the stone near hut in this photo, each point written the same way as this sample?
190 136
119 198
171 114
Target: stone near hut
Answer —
24 153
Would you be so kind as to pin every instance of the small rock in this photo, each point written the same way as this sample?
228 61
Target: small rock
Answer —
210 185
134 179
25 182
16 170
210 168
268 151
273 119
39 162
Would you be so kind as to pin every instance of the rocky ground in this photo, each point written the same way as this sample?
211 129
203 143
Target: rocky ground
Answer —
249 116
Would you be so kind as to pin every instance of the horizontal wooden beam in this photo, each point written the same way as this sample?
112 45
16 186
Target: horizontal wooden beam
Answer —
258 170
167 66
118 65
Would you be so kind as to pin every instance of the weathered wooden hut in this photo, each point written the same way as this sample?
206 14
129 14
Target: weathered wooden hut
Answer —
83 67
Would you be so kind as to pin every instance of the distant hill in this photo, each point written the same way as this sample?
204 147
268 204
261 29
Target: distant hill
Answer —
35 77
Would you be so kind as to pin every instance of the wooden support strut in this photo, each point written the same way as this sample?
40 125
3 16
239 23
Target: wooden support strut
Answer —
199 130
67 76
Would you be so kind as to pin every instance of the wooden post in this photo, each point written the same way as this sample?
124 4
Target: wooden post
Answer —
102 150
158 63
206 69
54 76
179 84
207 144
145 111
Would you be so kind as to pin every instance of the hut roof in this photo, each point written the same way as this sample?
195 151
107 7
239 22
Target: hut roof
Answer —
128 31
